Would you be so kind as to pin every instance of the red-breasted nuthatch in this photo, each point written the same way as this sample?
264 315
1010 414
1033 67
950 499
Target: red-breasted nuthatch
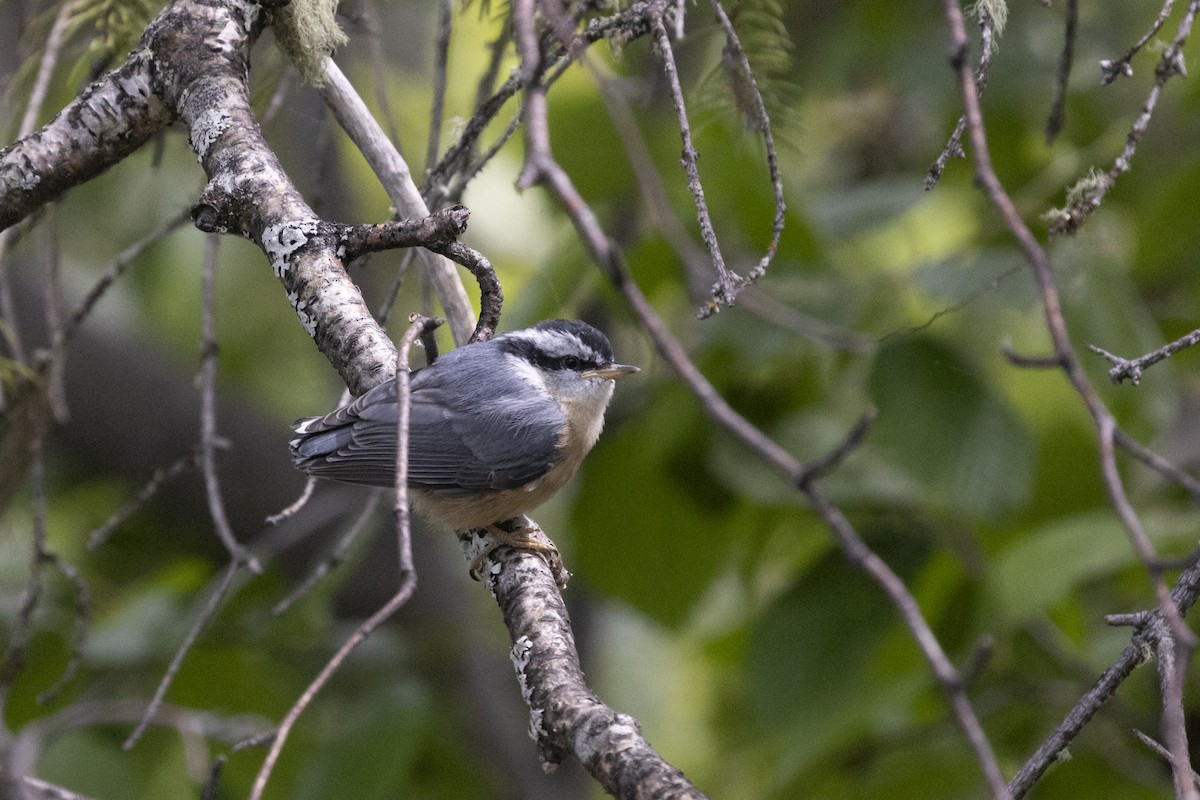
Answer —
496 428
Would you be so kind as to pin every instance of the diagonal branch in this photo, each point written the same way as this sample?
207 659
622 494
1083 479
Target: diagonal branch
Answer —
1102 419
541 167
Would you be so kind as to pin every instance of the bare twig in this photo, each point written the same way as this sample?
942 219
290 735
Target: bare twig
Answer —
729 283
373 23
1172 659
827 463
299 503
1054 123
23 752
1162 751
1029 362
433 231
1086 196
208 412
408 575
1150 627
82 624
202 619
763 124
953 148
491 296
51 362
1113 68
41 556
441 57
22 627
211 788
1132 369
33 109
115 270
51 791
1157 463
335 557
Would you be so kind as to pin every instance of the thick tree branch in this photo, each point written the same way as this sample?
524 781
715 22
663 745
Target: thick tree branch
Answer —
110 119
565 716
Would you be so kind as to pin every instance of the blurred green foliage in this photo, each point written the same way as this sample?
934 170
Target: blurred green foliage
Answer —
718 611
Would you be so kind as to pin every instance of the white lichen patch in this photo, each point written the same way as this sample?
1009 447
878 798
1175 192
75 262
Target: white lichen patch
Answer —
14 178
206 129
135 85
230 36
307 319
280 241
521 653
623 728
250 12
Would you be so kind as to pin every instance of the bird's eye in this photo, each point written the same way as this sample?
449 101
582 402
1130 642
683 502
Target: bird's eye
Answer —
571 362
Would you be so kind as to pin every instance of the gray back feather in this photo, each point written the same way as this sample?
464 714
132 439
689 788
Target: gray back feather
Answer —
474 425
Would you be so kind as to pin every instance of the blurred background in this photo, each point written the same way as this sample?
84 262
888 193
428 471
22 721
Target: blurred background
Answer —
708 600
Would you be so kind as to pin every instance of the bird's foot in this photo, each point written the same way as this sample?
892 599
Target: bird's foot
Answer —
519 532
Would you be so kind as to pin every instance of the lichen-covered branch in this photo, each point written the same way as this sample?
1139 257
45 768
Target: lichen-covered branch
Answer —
565 716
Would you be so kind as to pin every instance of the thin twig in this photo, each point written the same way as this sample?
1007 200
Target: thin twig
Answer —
335 557
290 511
211 788
1172 659
441 58
114 271
379 66
953 148
1085 197
1162 751
279 96
408 575
1054 123
202 619
827 463
729 283
1112 68
33 109
763 124
1132 369
491 296
1150 626
51 362
208 411
82 624
21 629
1157 463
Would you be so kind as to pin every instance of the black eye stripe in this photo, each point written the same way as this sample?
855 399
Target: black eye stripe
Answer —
559 345
547 361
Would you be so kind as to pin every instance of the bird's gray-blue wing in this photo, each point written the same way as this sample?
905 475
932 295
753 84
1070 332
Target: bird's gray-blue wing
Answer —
495 441
354 444
475 430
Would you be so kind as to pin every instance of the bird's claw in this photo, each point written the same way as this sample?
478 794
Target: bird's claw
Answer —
523 534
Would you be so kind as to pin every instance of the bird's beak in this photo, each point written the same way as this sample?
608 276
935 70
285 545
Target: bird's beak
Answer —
612 371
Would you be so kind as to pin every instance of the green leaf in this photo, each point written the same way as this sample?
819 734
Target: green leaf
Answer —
649 520
1051 563
942 422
